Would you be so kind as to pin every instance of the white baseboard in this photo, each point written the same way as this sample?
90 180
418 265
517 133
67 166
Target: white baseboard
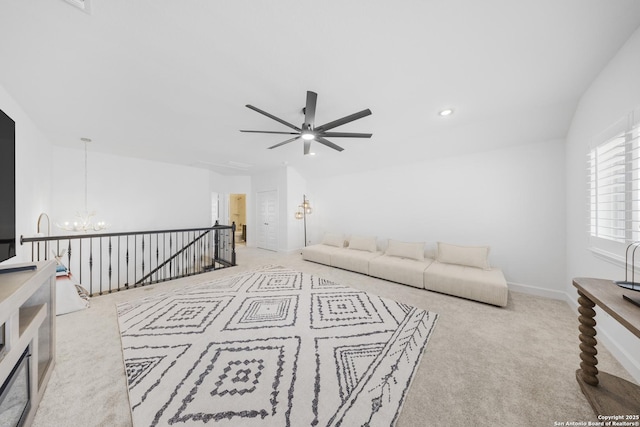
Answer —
534 290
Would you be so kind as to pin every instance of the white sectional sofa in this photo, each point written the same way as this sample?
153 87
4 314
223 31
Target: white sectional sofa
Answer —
402 270
357 256
462 271
402 262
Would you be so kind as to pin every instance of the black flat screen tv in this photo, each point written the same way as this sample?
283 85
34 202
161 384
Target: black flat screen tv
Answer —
7 187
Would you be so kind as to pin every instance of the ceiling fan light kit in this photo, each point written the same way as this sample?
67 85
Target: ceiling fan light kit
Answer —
309 131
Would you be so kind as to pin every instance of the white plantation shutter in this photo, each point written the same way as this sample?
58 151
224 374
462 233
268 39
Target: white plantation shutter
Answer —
614 186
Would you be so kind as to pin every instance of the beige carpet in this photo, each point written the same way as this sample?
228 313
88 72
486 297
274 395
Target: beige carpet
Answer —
485 366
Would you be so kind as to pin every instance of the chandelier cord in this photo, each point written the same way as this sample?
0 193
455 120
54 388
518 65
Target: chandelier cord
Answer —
86 174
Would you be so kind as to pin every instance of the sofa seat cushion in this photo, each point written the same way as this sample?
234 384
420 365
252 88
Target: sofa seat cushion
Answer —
320 253
353 260
401 270
472 283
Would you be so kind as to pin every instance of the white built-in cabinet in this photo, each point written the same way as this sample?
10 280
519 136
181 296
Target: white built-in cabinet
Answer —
28 322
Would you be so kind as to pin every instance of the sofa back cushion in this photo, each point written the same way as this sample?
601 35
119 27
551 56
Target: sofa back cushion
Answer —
471 256
333 239
405 250
363 243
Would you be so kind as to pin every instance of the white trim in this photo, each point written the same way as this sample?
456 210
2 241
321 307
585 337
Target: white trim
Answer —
538 291
607 256
617 260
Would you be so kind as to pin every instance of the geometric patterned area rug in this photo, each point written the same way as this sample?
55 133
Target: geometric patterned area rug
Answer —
271 347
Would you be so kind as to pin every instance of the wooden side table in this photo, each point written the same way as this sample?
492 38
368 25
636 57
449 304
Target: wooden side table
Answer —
607 394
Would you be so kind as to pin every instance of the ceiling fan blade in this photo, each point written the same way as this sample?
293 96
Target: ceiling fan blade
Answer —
344 120
284 142
346 135
310 109
271 116
270 131
330 144
307 147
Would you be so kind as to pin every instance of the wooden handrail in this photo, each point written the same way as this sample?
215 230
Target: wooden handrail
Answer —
24 239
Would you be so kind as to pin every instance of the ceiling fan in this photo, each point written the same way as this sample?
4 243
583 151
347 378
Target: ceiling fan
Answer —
309 131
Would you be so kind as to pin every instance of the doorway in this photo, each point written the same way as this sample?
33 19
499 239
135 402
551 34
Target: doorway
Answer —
238 214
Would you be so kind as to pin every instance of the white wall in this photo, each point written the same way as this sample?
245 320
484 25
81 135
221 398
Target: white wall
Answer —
614 93
130 194
240 184
33 174
511 199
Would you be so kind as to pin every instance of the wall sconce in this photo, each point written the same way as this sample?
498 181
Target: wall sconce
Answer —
303 210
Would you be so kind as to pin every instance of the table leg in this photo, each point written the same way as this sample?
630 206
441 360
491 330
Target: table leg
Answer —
588 371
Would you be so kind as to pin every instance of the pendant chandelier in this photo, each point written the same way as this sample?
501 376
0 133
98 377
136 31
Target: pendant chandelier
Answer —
84 222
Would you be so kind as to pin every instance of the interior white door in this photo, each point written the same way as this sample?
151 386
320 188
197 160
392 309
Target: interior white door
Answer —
267 220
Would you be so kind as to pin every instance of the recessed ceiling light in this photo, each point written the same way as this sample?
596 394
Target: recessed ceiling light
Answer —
312 154
446 112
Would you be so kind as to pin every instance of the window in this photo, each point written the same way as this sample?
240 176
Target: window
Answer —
614 184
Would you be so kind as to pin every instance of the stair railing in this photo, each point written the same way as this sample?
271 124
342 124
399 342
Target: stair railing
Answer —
108 262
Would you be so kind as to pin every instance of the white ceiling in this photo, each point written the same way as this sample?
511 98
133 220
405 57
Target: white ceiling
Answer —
168 80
